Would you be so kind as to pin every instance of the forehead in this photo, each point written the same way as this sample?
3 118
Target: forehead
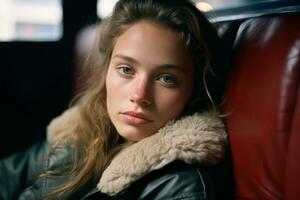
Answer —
151 42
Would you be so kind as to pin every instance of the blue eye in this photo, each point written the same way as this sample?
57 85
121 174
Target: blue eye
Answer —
167 79
125 70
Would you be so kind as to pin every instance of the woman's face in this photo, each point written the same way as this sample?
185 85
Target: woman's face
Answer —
149 79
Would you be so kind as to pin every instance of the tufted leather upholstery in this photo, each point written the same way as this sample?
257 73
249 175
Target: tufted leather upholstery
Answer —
263 103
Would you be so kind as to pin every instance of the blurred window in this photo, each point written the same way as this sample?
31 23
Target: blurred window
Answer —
105 8
224 10
30 20
218 10
210 5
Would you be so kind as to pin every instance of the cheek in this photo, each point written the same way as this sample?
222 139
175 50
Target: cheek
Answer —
108 87
173 102
111 87
171 105
112 84
116 90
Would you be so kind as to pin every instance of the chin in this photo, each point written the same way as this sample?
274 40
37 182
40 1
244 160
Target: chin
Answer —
132 134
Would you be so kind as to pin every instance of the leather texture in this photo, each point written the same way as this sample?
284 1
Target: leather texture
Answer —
292 172
262 103
177 180
177 176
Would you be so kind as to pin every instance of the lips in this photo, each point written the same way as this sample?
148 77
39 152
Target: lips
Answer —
135 118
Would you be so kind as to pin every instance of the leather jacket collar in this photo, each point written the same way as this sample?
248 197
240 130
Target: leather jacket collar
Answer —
199 138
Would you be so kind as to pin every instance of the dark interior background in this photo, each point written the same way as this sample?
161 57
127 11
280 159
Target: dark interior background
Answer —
36 79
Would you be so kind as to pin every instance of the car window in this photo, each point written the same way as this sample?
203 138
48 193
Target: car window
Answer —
30 20
215 8
220 10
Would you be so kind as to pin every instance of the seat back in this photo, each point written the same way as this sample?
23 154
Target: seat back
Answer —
263 107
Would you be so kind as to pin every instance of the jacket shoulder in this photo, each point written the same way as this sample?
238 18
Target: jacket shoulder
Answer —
20 169
177 180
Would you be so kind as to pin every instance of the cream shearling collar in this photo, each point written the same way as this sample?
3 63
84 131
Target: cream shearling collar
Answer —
200 138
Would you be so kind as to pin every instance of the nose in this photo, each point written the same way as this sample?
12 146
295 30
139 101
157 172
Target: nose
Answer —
141 93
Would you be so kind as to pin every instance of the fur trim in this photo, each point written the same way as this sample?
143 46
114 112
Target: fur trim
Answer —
200 138
63 125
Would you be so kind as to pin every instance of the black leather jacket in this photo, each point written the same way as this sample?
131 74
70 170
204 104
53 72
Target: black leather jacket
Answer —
180 181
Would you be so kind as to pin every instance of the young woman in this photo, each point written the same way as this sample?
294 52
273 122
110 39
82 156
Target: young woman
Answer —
145 127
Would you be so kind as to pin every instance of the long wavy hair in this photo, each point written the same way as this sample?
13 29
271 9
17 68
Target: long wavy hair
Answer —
95 134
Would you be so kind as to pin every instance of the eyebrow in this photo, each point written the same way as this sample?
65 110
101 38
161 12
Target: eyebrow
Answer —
163 66
127 58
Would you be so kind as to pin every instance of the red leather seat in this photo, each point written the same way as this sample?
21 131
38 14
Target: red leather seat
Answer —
263 104
292 172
